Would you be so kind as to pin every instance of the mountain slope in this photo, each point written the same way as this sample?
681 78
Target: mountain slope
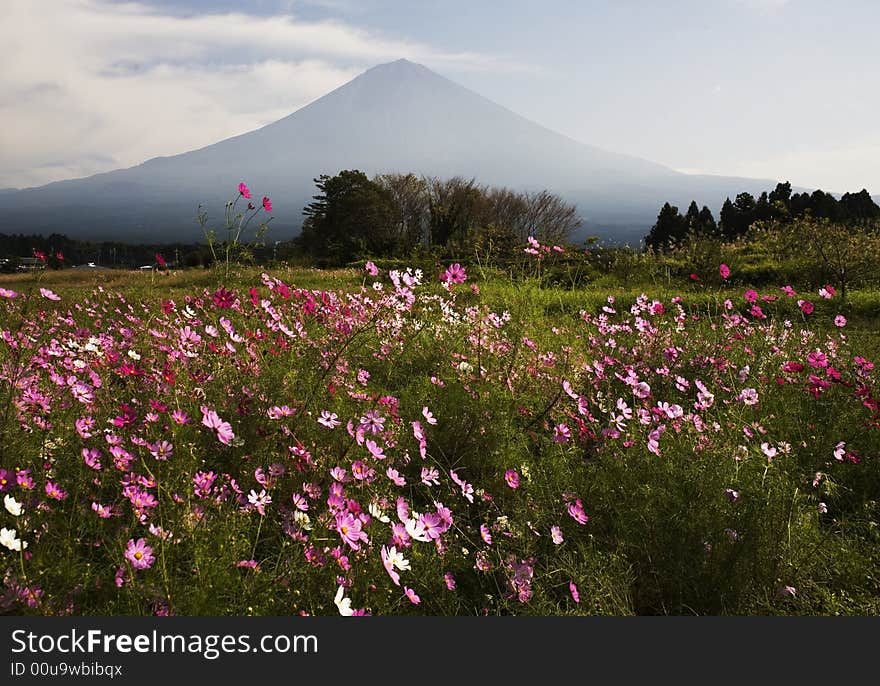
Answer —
394 117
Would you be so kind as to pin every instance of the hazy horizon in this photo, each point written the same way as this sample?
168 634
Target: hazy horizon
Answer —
758 88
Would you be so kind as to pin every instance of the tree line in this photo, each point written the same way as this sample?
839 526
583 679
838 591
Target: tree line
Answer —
63 251
395 215
778 205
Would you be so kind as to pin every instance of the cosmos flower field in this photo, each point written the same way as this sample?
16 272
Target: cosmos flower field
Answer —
413 444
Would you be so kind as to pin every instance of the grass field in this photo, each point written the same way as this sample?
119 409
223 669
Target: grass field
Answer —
304 441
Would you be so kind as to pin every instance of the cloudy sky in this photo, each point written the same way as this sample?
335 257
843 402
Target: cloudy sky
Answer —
782 89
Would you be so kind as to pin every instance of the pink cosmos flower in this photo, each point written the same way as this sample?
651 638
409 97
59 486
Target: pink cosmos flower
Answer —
350 529
359 470
54 491
749 396
453 274
806 306
329 419
428 416
751 296
161 450
371 269
92 457
46 293
840 321
249 564
576 510
244 190
212 420
556 535
103 511
430 476
789 291
267 204
641 390
431 524
180 417
561 433
276 412
574 592
724 270
7 293
84 426
395 476
375 449
512 478
450 581
203 482
467 490
411 594
485 535
419 435
139 554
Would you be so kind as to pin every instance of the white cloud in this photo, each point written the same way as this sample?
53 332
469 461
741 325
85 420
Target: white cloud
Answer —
97 86
764 6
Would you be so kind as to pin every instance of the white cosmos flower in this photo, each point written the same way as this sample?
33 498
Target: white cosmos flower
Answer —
344 604
8 539
397 559
303 520
12 506
416 530
376 513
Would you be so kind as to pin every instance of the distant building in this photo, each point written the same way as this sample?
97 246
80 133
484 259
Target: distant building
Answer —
30 263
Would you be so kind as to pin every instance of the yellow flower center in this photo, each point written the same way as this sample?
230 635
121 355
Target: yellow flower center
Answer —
138 555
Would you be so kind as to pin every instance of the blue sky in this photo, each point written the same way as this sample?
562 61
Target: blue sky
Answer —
768 88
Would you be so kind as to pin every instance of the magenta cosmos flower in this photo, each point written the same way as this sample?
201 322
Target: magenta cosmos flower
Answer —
724 270
139 554
512 478
212 420
244 190
454 274
351 530
267 204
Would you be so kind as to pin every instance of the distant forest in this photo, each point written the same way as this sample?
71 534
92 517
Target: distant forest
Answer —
778 205
354 217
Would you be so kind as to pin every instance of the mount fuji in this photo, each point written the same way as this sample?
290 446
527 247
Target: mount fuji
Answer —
395 117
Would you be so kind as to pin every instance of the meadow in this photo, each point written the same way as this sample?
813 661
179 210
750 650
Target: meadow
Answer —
384 440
